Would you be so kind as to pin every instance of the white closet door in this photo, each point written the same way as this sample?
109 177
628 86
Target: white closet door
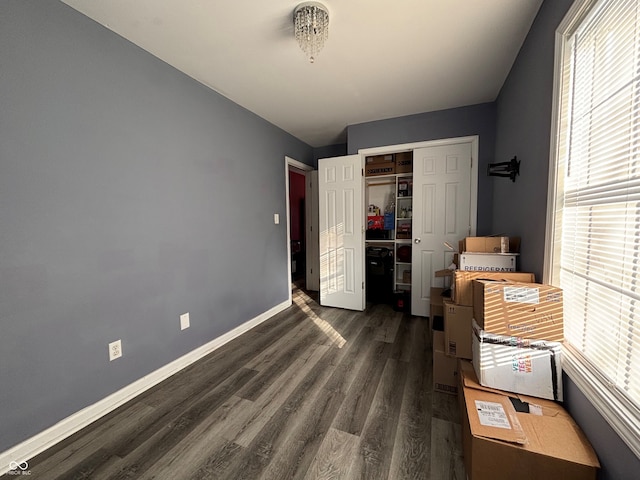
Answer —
441 213
340 187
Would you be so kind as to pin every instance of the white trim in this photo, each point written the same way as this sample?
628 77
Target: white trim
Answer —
290 162
75 422
616 413
473 139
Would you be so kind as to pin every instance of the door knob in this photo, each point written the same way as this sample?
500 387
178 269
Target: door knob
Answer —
417 240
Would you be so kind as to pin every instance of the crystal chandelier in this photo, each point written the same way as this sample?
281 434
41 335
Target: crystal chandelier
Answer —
311 24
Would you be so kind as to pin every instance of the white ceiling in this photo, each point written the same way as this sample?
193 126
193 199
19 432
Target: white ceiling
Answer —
383 59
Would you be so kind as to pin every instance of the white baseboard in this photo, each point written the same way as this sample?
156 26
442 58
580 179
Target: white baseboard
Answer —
70 425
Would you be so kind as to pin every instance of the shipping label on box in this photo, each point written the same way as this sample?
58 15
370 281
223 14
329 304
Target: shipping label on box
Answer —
457 330
488 262
527 310
462 284
529 367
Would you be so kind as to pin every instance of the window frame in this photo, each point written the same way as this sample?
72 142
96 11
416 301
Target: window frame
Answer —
620 414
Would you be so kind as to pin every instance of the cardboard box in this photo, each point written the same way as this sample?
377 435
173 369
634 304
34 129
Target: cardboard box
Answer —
530 367
462 283
404 162
485 245
379 165
445 369
538 440
436 308
527 310
457 330
487 262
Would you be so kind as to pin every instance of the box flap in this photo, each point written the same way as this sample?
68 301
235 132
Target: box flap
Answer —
492 416
444 273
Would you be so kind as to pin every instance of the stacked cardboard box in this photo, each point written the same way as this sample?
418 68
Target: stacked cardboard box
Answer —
456 312
504 332
517 332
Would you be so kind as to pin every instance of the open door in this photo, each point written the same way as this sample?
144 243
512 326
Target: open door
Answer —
312 228
341 215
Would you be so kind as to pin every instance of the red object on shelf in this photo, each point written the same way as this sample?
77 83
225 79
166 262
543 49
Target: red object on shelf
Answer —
375 222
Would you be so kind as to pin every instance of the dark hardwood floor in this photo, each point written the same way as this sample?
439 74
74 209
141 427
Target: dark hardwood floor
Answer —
312 393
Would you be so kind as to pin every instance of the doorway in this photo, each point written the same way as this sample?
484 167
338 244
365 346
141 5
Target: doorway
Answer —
302 209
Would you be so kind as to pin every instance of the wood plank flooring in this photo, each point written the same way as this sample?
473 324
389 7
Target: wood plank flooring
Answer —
312 393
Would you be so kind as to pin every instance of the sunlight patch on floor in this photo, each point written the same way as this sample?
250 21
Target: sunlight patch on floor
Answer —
323 325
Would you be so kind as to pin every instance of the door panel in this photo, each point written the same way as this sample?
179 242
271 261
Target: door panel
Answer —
442 201
340 188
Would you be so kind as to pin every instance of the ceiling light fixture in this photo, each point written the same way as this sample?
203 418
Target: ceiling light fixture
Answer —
311 24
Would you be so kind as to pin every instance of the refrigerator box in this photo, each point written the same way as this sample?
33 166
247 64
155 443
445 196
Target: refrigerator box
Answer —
457 330
487 262
506 437
445 369
518 365
527 310
462 283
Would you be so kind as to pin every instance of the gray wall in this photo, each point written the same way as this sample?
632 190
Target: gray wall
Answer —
523 129
456 122
129 194
338 150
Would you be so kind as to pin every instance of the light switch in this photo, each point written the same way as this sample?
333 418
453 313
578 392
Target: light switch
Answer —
276 218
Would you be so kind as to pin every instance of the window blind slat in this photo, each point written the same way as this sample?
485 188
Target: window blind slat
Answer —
597 215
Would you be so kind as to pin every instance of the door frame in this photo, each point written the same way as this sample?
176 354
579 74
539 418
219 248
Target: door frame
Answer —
302 168
473 139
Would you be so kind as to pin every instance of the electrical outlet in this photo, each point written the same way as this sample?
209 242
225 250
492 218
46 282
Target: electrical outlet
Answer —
184 321
115 350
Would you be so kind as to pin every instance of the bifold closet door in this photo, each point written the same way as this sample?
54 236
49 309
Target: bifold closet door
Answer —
441 214
341 204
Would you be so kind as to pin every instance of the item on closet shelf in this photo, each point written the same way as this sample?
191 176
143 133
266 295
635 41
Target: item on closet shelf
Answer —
404 230
403 188
404 162
380 165
403 254
375 222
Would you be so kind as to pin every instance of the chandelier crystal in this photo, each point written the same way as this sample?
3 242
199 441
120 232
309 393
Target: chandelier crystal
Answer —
311 24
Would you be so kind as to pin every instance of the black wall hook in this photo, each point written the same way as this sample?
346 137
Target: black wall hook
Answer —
505 169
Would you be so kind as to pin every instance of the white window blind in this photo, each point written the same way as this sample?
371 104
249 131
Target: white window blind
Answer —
595 222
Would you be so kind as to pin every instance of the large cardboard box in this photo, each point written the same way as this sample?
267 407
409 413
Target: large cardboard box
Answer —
436 308
484 244
457 330
493 244
530 367
380 165
487 262
527 310
445 369
506 437
462 283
